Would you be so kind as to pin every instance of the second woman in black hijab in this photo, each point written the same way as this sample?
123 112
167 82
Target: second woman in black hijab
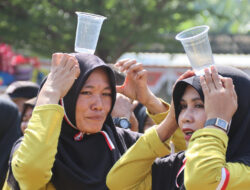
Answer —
74 147
216 158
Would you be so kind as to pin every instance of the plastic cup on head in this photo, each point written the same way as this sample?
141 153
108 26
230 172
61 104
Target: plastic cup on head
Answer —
87 31
197 47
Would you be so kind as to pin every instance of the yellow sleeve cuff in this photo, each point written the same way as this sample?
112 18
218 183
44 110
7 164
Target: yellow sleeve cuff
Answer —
55 107
211 132
158 118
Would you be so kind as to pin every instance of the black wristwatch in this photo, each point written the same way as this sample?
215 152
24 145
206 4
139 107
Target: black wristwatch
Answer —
122 122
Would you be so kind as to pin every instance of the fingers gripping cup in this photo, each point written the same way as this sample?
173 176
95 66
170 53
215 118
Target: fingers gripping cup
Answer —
197 47
87 32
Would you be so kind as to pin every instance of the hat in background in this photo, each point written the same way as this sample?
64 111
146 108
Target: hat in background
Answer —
22 89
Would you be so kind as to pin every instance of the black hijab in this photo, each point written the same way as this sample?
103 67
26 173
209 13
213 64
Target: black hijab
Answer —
84 164
239 135
9 133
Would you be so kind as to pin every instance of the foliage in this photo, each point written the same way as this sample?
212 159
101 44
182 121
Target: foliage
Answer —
46 26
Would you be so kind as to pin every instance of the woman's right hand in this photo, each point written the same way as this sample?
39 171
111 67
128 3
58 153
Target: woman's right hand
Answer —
64 70
220 96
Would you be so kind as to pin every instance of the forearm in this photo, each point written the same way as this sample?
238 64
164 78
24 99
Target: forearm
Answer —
177 138
133 170
205 159
155 105
160 116
206 163
48 95
36 154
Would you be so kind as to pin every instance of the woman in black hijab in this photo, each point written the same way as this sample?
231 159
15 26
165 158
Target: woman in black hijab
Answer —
218 155
87 145
9 133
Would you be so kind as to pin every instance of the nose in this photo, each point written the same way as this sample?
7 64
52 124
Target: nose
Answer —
97 103
187 116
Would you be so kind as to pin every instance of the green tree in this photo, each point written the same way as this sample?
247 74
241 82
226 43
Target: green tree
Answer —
47 26
42 27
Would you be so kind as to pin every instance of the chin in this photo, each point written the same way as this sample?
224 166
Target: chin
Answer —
91 129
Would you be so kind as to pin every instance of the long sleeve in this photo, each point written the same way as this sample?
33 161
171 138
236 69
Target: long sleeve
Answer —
206 166
33 160
133 170
177 138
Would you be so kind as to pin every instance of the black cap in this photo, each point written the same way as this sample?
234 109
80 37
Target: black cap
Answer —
22 89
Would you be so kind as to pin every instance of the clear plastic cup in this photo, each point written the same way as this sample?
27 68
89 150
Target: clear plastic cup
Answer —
87 32
197 47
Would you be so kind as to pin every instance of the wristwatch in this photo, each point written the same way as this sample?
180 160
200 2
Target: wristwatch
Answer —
122 122
218 122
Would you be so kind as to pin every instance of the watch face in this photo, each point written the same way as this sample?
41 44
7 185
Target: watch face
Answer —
124 123
222 124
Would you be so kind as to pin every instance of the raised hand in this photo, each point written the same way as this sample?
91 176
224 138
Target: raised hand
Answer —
135 86
64 71
220 96
124 107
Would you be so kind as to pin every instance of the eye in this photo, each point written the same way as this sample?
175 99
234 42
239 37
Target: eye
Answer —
85 93
182 106
106 94
199 105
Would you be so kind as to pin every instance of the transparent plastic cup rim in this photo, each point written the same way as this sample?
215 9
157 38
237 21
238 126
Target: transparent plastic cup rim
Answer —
91 15
180 38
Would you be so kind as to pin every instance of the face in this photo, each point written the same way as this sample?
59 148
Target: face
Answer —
26 118
94 102
192 116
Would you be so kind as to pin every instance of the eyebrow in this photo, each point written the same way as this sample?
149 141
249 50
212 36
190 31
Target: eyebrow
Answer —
89 86
193 99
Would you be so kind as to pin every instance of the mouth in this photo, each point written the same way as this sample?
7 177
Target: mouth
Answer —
188 133
96 118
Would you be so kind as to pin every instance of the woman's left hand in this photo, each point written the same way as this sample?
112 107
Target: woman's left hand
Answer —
220 96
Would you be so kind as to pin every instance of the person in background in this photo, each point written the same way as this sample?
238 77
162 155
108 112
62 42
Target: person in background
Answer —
27 113
145 116
213 113
21 91
71 141
135 87
10 122
123 115
145 122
